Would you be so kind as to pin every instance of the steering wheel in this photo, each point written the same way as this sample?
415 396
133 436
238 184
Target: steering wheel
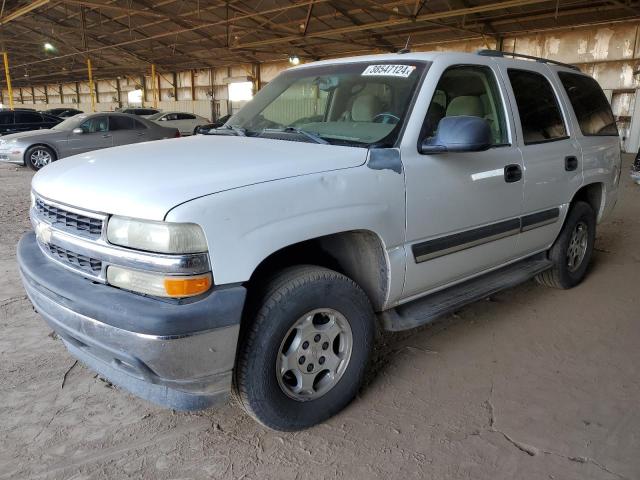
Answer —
386 117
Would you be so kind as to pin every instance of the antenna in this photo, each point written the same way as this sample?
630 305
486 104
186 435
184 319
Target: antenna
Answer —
406 48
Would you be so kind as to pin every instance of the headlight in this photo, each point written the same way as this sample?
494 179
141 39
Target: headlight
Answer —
33 200
158 285
161 237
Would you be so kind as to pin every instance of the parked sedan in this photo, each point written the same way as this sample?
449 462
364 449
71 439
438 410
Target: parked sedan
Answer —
79 134
140 111
62 112
185 122
19 120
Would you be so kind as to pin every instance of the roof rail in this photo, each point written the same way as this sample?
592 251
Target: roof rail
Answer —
498 53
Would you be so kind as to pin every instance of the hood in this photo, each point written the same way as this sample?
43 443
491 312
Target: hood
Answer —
31 133
146 180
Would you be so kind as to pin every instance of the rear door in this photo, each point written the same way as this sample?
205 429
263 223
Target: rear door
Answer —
122 129
551 154
462 208
186 122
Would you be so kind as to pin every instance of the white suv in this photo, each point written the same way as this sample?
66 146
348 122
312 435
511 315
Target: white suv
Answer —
348 195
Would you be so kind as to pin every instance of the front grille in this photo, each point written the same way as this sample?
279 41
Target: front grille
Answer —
70 221
80 262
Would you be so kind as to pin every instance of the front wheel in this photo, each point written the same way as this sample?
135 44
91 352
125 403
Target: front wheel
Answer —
571 252
303 357
39 156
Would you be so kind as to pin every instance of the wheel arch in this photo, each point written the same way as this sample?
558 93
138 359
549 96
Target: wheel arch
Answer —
358 254
40 144
593 194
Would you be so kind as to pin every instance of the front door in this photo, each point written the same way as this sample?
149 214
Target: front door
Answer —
95 135
462 208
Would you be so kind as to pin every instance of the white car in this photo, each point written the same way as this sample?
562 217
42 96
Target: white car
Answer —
185 122
348 196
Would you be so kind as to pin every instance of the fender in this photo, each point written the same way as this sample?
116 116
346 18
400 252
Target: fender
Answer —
244 226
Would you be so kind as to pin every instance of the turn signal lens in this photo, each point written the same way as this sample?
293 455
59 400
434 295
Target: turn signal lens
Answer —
158 285
187 287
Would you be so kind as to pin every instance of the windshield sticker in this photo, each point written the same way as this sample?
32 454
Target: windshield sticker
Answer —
388 71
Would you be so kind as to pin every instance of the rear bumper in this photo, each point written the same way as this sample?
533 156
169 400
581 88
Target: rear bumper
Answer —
178 355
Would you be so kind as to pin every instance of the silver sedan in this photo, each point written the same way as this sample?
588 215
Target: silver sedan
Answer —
79 134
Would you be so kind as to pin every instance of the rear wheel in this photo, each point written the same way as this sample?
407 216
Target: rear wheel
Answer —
571 252
303 357
39 156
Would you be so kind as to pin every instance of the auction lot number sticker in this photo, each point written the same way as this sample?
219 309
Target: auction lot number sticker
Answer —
388 71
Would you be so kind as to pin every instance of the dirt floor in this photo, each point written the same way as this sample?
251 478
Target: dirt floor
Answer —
534 384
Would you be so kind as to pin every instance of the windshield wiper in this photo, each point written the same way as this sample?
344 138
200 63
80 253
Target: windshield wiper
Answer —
298 131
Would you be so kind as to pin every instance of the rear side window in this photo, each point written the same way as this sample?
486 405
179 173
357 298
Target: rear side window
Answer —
28 117
116 122
185 116
138 125
540 114
590 105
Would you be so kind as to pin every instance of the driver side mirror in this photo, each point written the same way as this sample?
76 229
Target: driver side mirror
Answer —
459 134
77 131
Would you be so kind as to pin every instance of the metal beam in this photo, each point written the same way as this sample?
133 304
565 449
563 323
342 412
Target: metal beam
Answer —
8 77
22 11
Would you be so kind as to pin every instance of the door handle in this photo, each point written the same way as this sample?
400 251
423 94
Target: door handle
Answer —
106 135
140 134
570 163
512 173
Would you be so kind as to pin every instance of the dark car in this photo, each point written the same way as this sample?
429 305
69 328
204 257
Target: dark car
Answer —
25 120
204 129
141 112
62 112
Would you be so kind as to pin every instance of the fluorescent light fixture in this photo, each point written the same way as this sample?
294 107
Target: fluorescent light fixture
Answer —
294 60
240 91
49 47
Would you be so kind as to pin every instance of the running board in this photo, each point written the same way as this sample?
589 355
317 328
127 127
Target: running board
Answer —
426 309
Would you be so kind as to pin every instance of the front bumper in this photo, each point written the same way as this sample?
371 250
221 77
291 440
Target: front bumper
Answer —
12 155
175 354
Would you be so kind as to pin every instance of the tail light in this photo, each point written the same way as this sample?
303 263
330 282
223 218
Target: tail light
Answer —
177 135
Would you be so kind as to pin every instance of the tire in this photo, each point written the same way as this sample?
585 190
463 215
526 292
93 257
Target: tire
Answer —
39 156
289 298
566 273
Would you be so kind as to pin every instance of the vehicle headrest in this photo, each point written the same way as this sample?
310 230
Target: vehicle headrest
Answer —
465 105
365 107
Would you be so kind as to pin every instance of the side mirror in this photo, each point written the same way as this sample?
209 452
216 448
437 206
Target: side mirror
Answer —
77 131
459 134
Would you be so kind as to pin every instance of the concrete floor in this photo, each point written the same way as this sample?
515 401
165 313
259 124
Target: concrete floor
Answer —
535 384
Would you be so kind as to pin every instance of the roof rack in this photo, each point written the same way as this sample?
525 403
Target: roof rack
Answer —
498 53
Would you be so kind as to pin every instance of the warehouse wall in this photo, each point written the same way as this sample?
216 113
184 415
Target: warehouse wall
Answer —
610 53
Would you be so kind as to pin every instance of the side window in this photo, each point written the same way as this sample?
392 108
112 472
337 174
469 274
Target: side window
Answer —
538 106
137 125
469 90
116 122
185 116
95 125
170 117
589 104
28 117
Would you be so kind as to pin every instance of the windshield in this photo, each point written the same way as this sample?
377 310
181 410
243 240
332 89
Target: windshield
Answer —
70 123
348 104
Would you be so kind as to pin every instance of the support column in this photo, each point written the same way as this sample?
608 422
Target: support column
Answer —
91 91
8 77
